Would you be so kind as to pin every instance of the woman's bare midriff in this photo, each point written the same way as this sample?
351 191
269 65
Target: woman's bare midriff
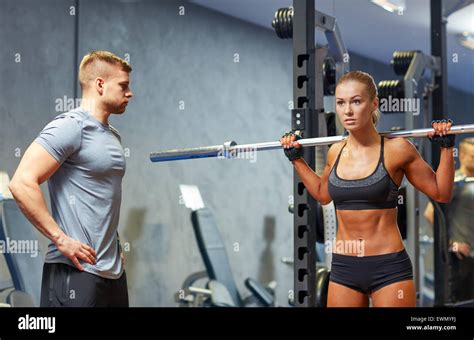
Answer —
367 232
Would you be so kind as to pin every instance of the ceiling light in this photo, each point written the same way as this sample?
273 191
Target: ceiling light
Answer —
392 6
466 39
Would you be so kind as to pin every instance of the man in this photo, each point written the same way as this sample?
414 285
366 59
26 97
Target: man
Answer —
460 217
82 158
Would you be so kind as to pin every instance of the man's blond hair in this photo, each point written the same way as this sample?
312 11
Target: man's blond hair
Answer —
92 66
464 142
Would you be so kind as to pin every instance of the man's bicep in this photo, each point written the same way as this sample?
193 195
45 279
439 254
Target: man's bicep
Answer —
37 164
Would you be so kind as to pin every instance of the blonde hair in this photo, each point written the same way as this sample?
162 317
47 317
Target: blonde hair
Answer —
368 81
464 142
91 65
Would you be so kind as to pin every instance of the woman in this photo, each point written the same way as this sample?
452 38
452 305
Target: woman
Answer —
362 177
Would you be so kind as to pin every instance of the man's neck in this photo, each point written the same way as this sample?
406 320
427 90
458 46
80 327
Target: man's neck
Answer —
97 112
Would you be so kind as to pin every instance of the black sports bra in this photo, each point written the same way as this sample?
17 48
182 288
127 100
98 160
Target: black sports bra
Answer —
376 191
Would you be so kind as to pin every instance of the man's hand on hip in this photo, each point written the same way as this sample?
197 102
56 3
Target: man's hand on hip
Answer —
75 251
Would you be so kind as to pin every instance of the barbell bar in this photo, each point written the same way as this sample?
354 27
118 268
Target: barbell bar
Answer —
232 149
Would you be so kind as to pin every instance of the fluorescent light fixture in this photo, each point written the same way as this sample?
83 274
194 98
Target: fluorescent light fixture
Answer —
466 39
459 5
393 6
462 20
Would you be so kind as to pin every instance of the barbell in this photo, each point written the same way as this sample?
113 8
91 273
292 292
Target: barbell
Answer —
232 149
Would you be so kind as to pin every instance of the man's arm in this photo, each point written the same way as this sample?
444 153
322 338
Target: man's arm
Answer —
36 166
429 213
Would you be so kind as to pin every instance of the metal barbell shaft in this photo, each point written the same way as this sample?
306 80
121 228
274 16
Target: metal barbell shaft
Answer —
229 149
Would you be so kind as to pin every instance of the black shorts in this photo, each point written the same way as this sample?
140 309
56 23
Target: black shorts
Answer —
462 278
367 274
66 286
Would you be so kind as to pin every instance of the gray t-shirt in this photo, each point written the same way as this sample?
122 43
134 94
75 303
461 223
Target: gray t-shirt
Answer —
86 190
460 211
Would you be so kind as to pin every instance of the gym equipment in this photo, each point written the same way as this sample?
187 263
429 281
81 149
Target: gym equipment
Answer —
232 149
322 284
401 61
221 290
329 77
25 268
439 104
391 89
283 23
403 96
297 22
325 220
412 66
311 81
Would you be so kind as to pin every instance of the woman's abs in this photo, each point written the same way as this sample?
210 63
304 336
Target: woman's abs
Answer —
367 232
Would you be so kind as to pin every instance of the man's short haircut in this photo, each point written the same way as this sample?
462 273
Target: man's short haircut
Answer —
464 142
92 65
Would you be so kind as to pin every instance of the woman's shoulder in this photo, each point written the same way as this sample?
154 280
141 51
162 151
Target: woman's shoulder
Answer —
334 150
398 142
399 147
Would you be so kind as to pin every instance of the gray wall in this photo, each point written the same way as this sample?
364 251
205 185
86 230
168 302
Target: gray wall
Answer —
190 58
36 67
175 58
